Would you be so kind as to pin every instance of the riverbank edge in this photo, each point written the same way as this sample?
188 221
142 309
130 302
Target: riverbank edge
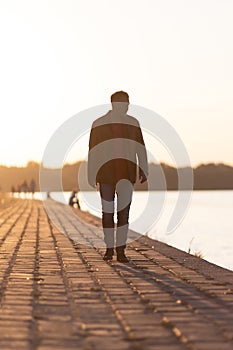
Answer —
204 267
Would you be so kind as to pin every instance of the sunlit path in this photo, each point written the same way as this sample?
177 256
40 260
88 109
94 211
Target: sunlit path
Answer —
58 293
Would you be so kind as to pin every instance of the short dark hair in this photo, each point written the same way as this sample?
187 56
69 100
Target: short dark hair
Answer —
120 96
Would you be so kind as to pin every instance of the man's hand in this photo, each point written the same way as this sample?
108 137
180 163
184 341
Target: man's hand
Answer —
142 178
96 186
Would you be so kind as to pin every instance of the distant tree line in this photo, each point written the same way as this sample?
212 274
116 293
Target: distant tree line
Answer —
210 176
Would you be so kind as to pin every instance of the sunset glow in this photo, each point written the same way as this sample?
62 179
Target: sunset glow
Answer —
61 57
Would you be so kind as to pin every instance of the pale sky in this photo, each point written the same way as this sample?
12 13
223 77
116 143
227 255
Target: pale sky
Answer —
59 57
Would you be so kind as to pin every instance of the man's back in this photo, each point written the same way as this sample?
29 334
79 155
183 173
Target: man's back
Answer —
116 140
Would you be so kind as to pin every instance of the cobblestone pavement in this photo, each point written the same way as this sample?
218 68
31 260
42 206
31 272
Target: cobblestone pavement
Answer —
56 291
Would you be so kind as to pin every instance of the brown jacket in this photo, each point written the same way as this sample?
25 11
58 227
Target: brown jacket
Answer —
116 147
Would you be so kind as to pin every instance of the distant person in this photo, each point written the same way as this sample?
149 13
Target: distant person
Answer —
24 187
73 200
12 190
116 145
32 187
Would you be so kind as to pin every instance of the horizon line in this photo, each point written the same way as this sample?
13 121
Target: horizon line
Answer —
84 160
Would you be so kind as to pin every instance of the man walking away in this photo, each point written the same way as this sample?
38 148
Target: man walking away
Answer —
116 149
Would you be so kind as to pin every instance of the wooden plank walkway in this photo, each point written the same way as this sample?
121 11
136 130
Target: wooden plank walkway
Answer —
58 293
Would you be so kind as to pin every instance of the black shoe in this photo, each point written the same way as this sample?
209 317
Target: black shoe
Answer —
121 257
108 254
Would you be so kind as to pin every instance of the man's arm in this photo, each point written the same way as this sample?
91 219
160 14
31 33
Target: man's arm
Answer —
91 157
142 156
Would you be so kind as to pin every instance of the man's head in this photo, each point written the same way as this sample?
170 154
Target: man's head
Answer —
120 102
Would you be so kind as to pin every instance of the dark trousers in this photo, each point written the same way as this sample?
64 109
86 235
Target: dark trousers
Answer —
124 190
